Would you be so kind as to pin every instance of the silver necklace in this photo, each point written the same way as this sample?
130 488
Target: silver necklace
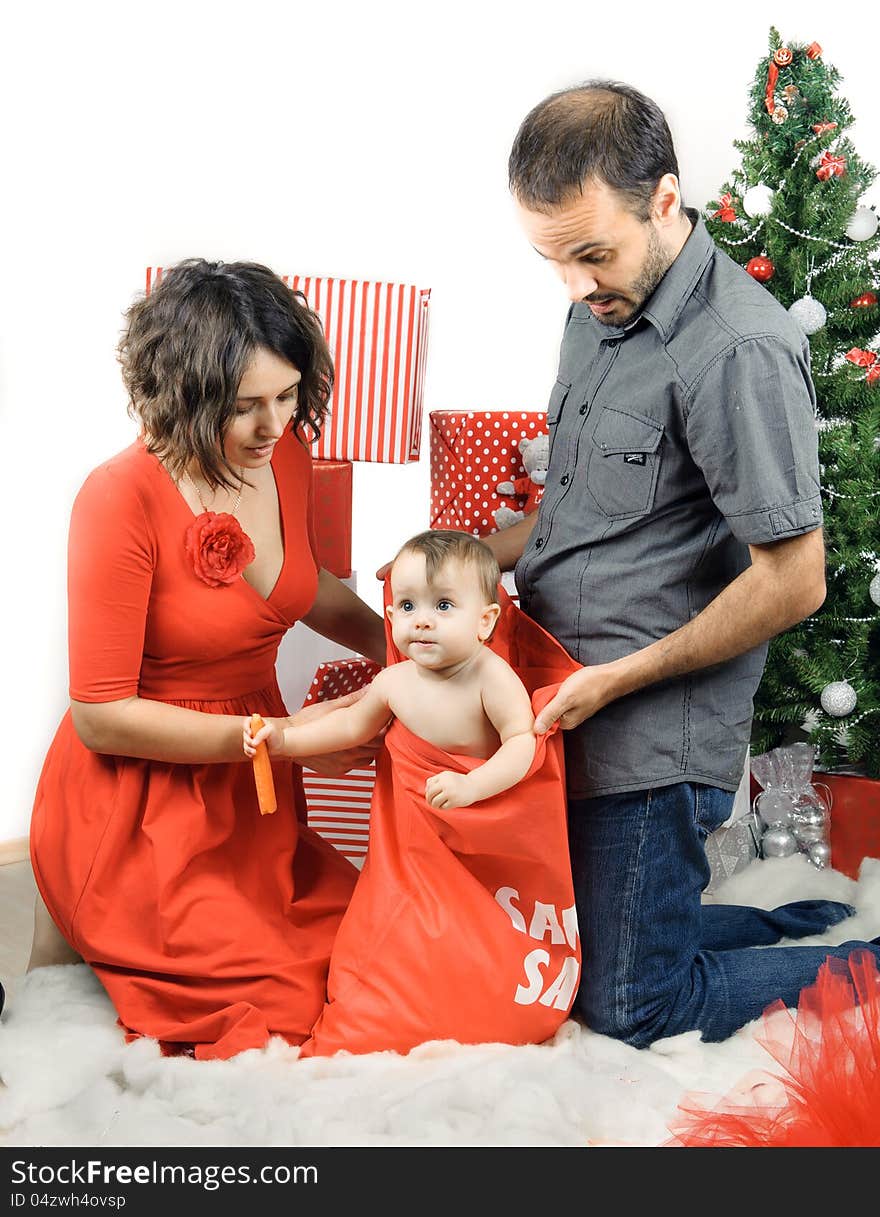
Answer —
199 497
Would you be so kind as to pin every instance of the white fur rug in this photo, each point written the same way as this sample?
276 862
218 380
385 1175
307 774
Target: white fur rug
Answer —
70 1080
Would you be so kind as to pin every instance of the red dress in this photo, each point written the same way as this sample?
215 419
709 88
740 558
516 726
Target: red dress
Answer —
206 922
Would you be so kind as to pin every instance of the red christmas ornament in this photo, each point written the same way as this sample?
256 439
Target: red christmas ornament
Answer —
814 50
761 269
862 359
821 128
866 300
830 166
783 57
873 374
725 212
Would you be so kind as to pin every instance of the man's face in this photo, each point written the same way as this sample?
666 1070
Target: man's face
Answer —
604 254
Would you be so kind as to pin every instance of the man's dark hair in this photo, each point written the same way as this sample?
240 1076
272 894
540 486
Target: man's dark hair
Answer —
600 129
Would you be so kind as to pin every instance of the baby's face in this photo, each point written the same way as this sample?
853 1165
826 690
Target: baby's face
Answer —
439 624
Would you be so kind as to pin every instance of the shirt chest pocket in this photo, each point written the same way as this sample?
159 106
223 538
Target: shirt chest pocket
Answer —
624 462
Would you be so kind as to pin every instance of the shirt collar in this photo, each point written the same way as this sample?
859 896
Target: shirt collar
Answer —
664 305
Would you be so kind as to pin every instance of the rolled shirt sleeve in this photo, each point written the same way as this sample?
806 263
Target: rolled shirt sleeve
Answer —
751 429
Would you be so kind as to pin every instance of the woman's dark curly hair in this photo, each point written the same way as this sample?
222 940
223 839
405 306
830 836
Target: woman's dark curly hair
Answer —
187 345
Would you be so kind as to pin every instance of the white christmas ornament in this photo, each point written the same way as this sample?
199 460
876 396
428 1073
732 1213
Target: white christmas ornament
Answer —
874 589
809 314
838 698
758 201
862 225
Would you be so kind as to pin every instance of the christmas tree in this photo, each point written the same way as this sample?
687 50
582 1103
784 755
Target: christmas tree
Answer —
792 216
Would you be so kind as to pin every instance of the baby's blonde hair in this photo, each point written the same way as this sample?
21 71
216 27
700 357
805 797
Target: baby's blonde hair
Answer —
442 545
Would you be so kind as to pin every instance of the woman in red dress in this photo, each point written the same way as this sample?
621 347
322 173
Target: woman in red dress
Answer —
191 553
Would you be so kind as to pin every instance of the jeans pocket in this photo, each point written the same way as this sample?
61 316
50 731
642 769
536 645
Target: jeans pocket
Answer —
712 807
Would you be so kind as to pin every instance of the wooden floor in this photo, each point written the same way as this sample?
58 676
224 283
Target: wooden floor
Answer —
17 891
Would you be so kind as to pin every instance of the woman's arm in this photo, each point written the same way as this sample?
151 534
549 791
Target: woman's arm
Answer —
341 616
509 709
156 731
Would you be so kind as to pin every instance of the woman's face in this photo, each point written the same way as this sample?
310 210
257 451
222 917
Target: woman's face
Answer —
266 402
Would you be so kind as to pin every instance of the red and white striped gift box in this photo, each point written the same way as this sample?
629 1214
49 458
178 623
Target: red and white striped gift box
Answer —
339 808
378 337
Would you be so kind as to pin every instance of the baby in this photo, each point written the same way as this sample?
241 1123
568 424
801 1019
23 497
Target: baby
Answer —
449 690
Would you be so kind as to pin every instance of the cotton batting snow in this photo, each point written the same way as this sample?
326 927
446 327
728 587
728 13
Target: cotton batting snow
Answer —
69 1079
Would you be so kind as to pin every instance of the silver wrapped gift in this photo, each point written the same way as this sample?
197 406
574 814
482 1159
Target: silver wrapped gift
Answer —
730 849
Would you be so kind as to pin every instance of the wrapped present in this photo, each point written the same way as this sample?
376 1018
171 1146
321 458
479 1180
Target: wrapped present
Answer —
471 451
855 823
333 515
378 338
730 849
339 807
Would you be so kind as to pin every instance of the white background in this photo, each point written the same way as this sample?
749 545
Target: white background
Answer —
357 140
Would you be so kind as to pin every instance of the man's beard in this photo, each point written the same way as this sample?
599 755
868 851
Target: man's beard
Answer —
657 262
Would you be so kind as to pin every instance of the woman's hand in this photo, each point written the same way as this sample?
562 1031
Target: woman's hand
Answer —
271 734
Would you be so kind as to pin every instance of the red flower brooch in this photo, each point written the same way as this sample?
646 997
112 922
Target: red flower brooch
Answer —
218 548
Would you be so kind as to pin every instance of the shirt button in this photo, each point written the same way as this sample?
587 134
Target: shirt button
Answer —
539 542
604 447
564 480
584 408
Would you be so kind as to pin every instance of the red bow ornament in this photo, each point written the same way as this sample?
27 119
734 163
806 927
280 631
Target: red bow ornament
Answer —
821 128
725 212
865 359
831 166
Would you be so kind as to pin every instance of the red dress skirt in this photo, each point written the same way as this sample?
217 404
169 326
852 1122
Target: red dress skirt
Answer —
207 923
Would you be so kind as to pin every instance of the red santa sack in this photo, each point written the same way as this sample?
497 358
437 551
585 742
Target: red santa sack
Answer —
462 925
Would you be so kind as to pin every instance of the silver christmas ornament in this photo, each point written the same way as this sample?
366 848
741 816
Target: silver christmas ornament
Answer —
819 854
758 201
874 589
809 314
839 698
778 843
808 834
810 814
862 225
775 808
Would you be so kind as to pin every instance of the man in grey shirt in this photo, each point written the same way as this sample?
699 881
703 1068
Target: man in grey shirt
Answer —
680 529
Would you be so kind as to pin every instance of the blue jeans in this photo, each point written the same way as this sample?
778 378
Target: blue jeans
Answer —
656 961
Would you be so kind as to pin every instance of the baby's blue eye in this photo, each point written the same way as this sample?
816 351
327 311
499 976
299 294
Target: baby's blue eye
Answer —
407 606
443 605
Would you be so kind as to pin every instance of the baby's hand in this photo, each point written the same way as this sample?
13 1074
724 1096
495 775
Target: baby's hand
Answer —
446 790
272 734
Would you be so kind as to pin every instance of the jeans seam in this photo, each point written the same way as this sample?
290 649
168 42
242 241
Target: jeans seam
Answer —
621 990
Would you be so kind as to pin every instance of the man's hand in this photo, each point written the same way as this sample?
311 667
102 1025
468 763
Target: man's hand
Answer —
446 790
580 696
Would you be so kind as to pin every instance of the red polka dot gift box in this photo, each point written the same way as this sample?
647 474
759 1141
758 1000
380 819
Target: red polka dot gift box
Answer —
471 452
339 808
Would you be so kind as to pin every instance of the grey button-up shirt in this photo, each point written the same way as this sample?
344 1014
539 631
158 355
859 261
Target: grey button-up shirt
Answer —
676 441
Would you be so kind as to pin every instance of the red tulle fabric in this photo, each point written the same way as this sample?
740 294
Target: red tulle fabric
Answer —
829 1091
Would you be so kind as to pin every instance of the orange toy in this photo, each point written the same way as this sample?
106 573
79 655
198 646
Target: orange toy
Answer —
263 772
